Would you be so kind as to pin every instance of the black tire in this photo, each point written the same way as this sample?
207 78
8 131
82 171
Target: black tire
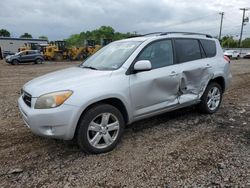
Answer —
203 105
39 61
58 57
14 62
83 134
80 57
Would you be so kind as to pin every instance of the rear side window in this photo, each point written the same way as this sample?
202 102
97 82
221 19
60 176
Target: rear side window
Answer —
31 52
159 53
209 46
187 50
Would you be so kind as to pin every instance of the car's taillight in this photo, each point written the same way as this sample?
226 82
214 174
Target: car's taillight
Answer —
227 58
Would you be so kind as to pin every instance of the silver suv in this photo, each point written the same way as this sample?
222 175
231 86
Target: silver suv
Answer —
126 81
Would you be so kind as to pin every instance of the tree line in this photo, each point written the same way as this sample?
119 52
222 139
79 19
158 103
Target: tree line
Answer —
6 33
229 42
97 35
107 32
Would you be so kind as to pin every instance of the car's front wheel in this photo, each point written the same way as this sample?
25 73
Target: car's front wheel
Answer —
211 98
100 129
14 62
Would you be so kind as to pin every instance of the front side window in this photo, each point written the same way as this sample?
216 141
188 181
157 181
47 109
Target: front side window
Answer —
31 52
159 53
187 50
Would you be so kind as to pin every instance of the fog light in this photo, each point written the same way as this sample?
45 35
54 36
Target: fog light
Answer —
49 130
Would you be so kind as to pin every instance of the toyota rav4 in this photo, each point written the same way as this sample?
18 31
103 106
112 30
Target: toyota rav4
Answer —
126 81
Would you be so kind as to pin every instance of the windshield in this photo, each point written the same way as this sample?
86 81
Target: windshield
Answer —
112 56
18 53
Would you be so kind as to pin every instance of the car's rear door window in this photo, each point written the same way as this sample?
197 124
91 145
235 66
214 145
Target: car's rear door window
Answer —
209 46
187 50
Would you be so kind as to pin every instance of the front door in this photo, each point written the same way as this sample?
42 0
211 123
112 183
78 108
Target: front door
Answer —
158 88
24 56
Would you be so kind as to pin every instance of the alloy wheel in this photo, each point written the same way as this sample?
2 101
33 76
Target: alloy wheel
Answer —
213 98
103 130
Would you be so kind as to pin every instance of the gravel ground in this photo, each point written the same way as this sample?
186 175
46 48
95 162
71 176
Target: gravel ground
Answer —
181 148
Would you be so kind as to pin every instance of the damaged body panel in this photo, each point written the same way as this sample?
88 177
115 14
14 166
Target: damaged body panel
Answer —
181 81
171 86
149 92
194 79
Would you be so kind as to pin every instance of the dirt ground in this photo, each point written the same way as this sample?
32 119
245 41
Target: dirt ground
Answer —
181 148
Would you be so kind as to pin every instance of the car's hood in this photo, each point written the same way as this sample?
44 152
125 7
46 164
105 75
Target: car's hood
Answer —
9 56
67 79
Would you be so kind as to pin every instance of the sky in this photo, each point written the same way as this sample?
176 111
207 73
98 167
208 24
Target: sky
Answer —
58 19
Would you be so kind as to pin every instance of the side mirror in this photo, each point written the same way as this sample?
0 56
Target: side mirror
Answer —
142 65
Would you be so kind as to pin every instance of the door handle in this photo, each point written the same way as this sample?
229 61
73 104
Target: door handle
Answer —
208 66
173 73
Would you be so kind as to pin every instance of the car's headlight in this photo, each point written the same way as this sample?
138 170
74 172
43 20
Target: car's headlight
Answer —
52 100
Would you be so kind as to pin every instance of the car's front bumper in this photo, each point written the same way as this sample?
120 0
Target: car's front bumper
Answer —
57 122
7 60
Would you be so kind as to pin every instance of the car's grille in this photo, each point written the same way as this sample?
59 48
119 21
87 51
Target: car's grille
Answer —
26 98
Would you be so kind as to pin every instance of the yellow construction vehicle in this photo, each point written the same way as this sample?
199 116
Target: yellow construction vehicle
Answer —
29 46
91 47
80 53
56 51
77 53
33 46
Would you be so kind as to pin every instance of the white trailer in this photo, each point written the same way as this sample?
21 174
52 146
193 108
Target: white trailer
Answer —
9 45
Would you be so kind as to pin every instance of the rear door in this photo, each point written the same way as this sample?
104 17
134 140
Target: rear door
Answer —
32 55
154 90
195 69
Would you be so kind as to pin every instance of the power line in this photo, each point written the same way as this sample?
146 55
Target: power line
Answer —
188 21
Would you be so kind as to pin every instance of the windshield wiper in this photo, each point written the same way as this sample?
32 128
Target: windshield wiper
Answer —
89 67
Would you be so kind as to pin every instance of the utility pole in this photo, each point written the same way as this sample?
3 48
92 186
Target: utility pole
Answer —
222 14
242 25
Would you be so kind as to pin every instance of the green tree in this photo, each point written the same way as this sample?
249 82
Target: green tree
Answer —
4 33
228 42
43 37
26 35
104 32
73 40
246 43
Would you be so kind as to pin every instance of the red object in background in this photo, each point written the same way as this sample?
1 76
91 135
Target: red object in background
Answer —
227 58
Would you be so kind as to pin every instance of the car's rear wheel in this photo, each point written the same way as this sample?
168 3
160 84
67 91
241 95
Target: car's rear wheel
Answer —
39 61
100 129
211 99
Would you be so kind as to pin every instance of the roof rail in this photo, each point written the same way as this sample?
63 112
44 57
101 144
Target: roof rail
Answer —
154 33
185 33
